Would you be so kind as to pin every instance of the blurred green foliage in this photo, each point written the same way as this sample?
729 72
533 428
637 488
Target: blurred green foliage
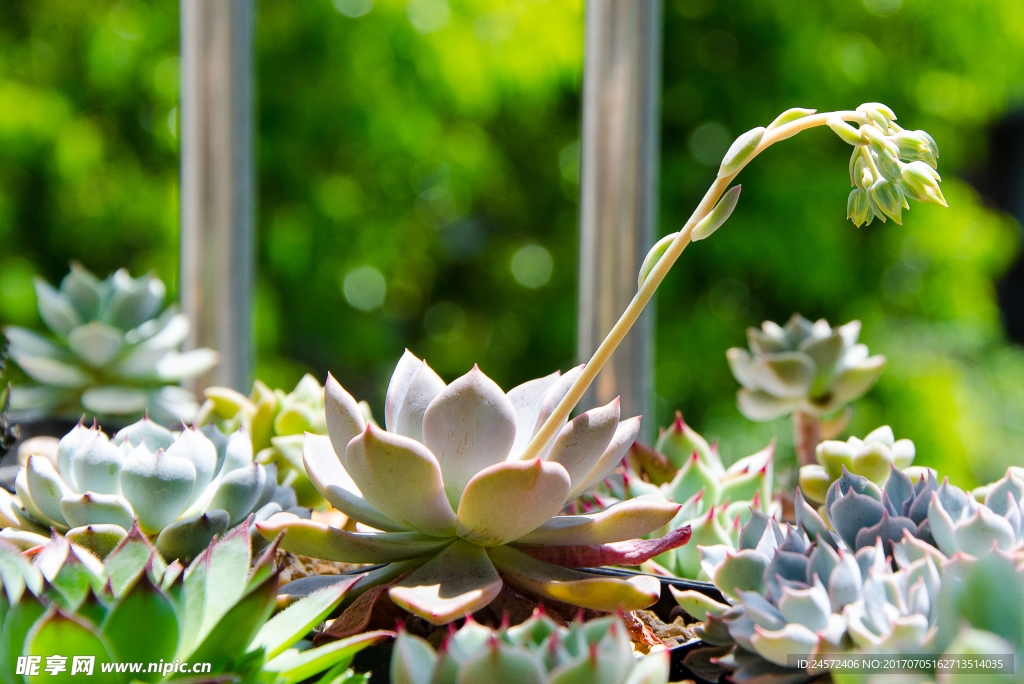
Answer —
418 166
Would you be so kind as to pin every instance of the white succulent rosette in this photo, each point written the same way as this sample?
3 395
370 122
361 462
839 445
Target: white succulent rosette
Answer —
807 367
443 499
114 351
183 489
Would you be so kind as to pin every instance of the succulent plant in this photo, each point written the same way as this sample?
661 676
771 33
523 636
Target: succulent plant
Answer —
683 468
446 496
791 597
182 489
538 651
113 353
807 367
276 422
8 433
60 603
870 457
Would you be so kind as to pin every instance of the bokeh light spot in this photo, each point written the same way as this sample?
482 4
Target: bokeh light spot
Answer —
364 288
532 266
709 143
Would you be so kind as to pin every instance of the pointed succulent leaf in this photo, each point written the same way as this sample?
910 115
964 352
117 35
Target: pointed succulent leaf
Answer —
53 372
56 311
889 529
142 603
55 633
46 489
80 510
295 621
502 664
412 660
157 486
777 646
186 538
316 539
96 343
536 489
155 436
852 513
628 519
632 552
761 406
196 447
624 436
344 420
581 443
456 582
423 387
469 426
574 587
101 539
402 479
292 667
785 567
698 605
334 483
742 570
526 400
235 628
399 385
238 492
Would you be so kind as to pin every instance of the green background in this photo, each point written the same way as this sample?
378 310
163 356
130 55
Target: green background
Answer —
433 140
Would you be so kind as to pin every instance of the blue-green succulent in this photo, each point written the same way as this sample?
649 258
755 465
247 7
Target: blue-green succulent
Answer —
183 489
113 352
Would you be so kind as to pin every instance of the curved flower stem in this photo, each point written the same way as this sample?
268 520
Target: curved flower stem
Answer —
561 413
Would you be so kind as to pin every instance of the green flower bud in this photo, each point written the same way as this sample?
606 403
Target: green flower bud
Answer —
879 114
916 146
921 181
886 200
653 257
858 208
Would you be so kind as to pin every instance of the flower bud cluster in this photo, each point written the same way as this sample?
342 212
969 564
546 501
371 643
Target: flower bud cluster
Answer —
889 165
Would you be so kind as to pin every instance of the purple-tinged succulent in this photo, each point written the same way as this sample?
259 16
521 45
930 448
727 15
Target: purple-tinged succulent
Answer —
452 510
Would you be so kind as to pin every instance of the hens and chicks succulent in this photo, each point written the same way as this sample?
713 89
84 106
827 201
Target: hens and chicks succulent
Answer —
890 578
113 353
448 505
183 489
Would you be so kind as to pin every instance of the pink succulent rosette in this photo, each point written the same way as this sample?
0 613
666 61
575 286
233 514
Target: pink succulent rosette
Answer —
454 512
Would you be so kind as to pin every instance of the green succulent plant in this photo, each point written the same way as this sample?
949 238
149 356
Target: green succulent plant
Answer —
870 457
807 367
8 432
276 422
113 353
449 502
538 651
683 468
60 602
182 489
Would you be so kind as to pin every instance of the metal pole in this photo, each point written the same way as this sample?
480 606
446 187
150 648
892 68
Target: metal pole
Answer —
217 181
618 186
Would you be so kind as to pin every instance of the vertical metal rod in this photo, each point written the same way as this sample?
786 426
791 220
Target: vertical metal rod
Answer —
618 186
217 184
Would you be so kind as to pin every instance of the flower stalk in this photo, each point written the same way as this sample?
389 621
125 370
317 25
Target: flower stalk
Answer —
735 160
